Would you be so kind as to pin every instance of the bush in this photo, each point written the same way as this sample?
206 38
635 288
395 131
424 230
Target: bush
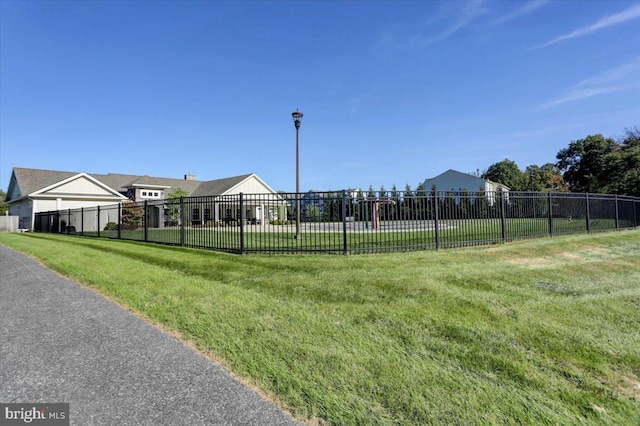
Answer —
111 226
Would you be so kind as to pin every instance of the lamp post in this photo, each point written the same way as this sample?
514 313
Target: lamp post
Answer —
297 117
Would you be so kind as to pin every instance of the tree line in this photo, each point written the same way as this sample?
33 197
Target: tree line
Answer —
594 164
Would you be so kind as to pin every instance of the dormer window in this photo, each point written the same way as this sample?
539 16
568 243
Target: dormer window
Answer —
145 193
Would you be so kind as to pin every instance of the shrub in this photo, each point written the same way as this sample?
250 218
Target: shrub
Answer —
111 226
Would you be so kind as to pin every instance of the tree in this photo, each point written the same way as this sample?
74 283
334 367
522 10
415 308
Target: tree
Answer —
547 177
625 165
132 214
173 206
3 206
178 193
587 164
507 173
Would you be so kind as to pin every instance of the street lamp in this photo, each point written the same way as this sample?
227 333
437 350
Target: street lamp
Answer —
297 117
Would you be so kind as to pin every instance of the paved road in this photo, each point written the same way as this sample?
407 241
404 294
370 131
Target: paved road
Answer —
60 342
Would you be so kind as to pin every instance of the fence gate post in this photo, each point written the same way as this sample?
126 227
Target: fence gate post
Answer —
436 218
588 215
146 220
119 220
503 217
344 222
182 221
617 216
242 223
550 216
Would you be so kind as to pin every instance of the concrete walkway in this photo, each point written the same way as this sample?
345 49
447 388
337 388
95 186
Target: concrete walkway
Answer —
60 342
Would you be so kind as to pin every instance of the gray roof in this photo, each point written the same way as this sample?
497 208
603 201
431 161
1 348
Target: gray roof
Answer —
32 180
218 186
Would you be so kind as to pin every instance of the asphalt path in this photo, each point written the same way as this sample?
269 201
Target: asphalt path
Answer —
61 342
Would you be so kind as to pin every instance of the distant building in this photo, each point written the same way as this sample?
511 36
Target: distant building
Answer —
458 182
34 190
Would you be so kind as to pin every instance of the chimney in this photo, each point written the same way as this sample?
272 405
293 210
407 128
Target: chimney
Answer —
190 177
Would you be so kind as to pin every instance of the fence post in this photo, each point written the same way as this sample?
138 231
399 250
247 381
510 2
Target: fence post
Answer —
550 216
182 221
617 216
587 213
82 221
436 218
146 221
98 221
68 220
503 217
344 222
119 220
241 223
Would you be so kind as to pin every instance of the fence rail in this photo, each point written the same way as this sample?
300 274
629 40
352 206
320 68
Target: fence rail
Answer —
341 222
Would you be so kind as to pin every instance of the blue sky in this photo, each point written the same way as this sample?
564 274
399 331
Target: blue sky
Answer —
392 92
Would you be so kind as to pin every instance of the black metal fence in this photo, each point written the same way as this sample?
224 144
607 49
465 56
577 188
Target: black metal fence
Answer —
343 222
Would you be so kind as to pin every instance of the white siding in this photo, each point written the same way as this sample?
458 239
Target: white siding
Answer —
250 186
80 186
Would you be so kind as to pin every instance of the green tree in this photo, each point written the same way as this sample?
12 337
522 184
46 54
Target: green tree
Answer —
178 193
371 193
547 177
3 206
624 165
312 213
173 206
507 173
587 164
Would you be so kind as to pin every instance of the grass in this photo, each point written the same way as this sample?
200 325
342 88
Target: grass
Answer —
536 332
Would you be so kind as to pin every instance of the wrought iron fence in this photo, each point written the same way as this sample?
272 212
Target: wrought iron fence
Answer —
344 222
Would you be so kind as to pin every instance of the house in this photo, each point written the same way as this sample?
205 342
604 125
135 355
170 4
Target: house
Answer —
458 182
34 190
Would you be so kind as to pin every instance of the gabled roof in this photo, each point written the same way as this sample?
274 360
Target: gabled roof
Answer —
30 181
219 186
96 182
454 172
464 175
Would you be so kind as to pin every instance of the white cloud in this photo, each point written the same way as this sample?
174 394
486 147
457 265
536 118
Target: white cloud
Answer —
613 80
525 9
455 20
608 21
578 94
632 69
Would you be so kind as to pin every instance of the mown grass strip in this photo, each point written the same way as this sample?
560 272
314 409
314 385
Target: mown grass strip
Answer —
537 332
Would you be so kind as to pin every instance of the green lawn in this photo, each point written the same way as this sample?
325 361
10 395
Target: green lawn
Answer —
536 332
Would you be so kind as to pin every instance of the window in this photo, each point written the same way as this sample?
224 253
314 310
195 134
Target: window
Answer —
195 214
145 193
